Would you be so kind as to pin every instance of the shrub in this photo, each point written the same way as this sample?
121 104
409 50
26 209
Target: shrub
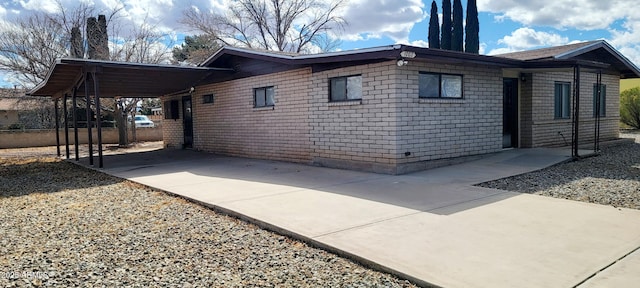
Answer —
15 126
630 107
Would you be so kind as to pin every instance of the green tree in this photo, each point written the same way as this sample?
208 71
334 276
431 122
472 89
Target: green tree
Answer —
457 30
195 49
434 27
445 42
630 107
472 29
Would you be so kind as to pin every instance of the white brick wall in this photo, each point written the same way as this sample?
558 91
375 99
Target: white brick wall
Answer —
375 133
432 129
232 126
393 120
546 131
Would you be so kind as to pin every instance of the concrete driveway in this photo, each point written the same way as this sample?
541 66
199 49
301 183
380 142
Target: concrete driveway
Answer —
432 227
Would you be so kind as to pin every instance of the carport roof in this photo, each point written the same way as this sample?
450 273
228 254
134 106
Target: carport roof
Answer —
121 78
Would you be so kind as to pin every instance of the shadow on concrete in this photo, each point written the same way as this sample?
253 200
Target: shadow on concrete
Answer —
444 190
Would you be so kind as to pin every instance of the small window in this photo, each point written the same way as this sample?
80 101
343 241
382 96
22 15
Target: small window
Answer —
171 109
345 88
207 98
562 106
600 103
263 97
434 85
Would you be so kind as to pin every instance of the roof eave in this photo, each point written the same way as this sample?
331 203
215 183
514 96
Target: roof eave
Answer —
605 45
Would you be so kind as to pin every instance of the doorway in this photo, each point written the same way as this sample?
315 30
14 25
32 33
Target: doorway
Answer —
510 113
187 121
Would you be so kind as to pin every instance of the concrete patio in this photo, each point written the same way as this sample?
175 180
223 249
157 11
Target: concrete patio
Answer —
432 227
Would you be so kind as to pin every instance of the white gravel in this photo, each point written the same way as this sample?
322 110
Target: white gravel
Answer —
612 178
66 226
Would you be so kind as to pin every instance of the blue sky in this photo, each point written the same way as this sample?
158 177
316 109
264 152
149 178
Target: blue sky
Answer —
505 25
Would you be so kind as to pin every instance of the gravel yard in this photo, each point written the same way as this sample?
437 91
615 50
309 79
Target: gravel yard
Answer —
65 226
612 178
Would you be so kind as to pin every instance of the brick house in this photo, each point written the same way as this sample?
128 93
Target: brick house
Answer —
391 109
396 109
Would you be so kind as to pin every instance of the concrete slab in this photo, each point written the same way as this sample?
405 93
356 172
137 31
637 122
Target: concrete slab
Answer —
431 226
522 241
625 273
314 213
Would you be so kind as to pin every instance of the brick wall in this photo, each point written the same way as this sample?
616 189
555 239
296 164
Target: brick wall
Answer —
47 137
232 126
391 119
547 131
391 130
172 129
432 129
356 134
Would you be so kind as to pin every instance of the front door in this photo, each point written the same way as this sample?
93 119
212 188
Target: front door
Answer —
187 121
510 113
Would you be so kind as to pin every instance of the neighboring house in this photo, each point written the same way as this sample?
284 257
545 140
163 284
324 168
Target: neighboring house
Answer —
10 107
391 109
8 112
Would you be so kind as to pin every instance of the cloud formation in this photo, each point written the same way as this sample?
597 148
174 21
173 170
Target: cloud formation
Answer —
527 38
376 18
617 17
561 14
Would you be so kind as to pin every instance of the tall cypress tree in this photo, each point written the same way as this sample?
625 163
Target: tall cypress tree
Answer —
103 38
76 50
445 42
93 38
472 29
434 27
457 34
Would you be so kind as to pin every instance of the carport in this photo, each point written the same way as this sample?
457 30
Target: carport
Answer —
95 79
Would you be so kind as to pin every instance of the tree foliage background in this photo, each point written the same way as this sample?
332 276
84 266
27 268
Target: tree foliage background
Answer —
453 35
434 27
30 44
300 26
195 49
630 107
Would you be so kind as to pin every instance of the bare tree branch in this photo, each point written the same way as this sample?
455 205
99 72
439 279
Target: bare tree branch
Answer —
281 25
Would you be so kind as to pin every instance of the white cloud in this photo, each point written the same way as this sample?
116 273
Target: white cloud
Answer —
49 6
416 43
561 14
527 38
483 48
373 19
586 15
627 38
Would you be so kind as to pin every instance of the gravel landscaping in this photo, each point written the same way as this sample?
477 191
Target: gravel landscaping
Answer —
612 178
66 226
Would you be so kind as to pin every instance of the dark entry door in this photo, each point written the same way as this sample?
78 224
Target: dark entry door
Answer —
187 121
510 113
